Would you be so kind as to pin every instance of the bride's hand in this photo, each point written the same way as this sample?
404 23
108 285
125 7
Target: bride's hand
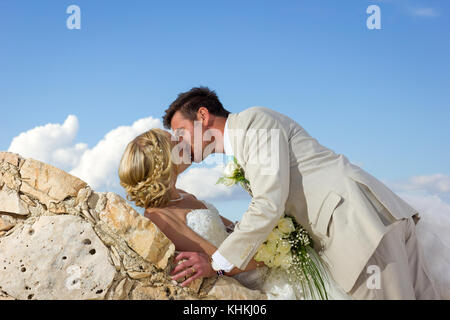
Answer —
196 266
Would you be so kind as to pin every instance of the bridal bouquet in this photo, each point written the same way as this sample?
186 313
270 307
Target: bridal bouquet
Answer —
288 246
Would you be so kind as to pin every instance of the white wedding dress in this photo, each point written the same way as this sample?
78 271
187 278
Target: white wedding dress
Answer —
273 282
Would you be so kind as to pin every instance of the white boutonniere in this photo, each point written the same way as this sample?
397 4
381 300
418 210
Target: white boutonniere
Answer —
234 174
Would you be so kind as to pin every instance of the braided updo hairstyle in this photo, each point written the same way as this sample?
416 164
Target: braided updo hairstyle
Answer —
146 169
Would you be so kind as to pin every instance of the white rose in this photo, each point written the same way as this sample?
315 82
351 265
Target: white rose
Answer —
286 261
286 225
275 235
228 182
284 247
277 260
230 169
264 254
283 260
272 245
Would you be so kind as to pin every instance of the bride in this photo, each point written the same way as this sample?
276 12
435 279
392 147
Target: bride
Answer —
149 177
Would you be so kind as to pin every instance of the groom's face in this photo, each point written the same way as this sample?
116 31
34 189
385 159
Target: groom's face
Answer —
191 133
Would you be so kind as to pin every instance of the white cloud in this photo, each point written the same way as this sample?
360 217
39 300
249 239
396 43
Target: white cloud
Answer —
430 196
201 182
437 184
424 12
411 8
69 156
432 209
51 143
98 166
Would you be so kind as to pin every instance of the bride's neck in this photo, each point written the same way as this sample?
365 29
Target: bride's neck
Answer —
174 194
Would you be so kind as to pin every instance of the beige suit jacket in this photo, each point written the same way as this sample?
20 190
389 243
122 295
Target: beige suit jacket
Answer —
290 172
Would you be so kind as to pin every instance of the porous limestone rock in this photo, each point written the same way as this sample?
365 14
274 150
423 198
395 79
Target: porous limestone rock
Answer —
140 233
7 222
11 158
57 257
10 202
47 183
227 288
9 176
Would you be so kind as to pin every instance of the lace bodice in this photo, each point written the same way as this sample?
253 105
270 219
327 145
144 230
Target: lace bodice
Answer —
208 224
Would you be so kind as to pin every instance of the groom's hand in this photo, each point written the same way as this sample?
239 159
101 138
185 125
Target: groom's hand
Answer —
196 266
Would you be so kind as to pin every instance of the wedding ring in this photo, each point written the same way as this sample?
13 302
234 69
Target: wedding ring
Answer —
193 270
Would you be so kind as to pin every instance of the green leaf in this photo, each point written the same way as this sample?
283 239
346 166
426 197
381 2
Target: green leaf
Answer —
220 181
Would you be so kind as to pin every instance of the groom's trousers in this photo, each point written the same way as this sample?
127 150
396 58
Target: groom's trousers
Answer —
397 270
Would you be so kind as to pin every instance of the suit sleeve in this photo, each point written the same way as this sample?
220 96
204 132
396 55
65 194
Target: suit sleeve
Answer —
267 168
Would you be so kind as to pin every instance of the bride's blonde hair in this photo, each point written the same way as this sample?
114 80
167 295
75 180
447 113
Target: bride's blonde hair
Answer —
146 169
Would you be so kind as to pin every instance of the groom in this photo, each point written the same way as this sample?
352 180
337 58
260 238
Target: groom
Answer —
365 231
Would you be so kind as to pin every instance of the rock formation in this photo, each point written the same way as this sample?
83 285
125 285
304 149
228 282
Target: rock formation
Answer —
61 240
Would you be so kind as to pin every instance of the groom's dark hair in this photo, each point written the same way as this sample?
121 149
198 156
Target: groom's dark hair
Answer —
189 102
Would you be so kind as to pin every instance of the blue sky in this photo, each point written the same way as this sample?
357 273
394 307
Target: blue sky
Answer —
381 97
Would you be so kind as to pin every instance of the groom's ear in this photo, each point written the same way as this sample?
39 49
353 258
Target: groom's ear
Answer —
203 115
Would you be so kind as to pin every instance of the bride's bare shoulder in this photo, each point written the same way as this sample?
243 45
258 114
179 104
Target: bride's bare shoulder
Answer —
185 193
158 214
149 211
